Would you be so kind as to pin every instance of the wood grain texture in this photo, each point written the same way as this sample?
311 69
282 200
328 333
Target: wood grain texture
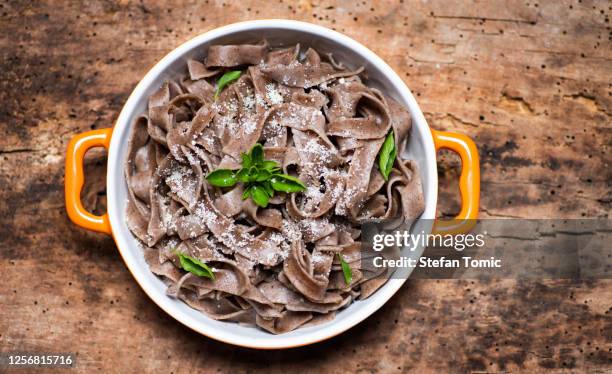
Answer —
529 81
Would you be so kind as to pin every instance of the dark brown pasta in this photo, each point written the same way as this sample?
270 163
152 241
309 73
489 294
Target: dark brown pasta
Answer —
276 267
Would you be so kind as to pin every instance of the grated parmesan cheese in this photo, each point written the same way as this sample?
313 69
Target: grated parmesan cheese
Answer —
273 94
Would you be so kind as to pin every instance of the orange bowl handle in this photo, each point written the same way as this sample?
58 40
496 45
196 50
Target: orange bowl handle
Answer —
469 182
74 179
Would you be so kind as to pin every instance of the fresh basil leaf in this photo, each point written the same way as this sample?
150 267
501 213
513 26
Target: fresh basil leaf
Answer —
247 175
261 178
253 173
392 157
346 270
246 193
246 160
222 178
268 188
386 156
275 171
287 183
271 166
262 175
259 196
195 266
257 154
243 175
226 79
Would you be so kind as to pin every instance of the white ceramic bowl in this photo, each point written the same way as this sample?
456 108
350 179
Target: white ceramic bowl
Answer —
278 33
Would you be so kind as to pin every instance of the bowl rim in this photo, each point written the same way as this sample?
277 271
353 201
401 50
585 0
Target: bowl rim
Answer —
121 129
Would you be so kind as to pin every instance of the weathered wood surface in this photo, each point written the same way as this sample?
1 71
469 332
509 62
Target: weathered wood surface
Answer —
529 81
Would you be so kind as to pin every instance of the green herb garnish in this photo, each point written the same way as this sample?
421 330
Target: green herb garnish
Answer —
259 195
261 178
386 156
222 178
257 154
226 79
346 270
286 183
195 266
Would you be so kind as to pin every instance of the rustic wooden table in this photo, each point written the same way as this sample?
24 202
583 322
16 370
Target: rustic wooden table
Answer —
529 81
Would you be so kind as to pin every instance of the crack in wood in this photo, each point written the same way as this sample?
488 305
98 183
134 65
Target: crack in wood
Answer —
516 103
588 101
430 61
519 182
456 121
513 237
498 214
573 54
472 18
18 150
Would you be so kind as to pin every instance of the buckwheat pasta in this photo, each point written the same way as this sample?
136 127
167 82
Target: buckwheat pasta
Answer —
281 266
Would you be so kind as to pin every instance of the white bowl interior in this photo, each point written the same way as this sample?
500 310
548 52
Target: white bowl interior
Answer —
278 33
